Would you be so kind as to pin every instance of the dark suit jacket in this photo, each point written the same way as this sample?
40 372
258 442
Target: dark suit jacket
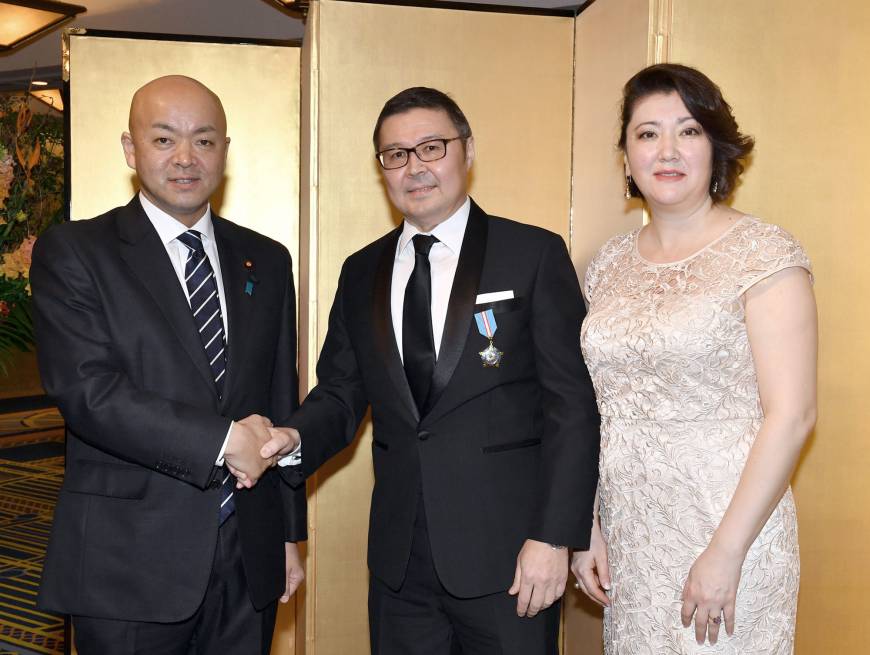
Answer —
502 454
136 522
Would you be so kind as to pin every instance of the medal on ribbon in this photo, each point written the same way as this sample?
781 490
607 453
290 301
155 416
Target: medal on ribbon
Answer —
486 325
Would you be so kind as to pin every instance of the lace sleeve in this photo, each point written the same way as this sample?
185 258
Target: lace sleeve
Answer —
769 249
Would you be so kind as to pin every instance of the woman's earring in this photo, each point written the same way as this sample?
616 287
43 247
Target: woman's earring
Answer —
715 187
628 187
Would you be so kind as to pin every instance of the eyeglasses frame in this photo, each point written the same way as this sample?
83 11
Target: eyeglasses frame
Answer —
414 150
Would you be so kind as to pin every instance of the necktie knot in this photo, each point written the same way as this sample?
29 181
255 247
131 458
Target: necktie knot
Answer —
193 241
423 243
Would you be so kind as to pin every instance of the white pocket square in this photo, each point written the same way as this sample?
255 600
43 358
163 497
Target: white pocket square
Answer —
493 296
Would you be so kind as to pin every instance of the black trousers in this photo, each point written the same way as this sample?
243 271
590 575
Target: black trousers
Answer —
423 618
225 624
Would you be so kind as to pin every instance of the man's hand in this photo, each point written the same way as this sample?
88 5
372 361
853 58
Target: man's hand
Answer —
283 441
294 570
242 454
542 572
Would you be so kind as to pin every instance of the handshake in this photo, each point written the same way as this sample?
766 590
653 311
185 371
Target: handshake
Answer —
254 446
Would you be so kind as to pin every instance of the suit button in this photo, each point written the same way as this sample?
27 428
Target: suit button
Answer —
422 435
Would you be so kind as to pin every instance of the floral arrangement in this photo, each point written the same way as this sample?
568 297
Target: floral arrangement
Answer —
31 199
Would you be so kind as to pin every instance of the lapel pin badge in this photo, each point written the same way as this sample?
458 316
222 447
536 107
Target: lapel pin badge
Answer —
252 279
486 325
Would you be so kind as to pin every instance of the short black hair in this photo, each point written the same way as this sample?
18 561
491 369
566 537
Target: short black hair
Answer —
421 97
705 103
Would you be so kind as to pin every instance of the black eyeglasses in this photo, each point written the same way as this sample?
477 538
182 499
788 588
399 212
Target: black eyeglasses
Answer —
433 150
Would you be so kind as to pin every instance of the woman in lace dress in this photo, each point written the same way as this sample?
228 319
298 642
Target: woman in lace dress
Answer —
701 343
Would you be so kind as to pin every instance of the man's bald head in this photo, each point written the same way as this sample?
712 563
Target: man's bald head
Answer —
165 89
177 143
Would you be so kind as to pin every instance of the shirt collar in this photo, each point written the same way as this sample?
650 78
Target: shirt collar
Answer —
449 232
168 228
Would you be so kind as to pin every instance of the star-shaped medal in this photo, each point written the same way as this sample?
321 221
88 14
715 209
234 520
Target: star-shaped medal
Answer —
491 356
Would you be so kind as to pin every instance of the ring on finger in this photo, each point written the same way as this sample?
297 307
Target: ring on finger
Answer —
716 620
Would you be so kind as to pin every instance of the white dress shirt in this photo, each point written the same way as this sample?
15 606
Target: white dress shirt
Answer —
443 259
170 229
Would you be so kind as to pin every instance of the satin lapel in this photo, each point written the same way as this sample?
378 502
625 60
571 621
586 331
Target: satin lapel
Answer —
239 305
382 322
461 308
146 256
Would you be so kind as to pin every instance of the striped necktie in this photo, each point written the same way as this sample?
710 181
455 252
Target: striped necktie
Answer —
206 307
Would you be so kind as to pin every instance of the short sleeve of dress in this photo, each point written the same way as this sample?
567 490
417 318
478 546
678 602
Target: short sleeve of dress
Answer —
768 249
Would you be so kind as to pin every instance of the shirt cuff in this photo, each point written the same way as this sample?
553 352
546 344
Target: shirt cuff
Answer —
220 458
293 458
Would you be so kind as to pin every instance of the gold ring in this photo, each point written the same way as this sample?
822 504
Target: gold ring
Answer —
714 619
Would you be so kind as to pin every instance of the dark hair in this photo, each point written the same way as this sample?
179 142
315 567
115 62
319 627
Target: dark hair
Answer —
421 97
705 103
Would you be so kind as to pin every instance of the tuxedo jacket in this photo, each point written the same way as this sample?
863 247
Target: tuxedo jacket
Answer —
136 523
500 454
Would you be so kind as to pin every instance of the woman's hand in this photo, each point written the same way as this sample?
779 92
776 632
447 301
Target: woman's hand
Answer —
711 592
590 568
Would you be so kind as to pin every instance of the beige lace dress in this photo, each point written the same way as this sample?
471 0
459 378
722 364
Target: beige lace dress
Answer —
669 356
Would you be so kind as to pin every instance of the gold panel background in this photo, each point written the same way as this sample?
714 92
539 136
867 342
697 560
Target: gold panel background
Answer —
795 74
611 45
259 88
512 75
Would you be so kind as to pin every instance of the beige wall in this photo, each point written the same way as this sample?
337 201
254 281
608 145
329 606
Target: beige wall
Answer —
512 77
796 76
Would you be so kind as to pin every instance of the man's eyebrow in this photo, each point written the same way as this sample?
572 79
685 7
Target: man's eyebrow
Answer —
169 128
428 137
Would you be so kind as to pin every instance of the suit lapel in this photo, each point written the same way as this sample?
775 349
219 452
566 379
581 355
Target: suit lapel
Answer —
382 321
461 307
146 256
234 276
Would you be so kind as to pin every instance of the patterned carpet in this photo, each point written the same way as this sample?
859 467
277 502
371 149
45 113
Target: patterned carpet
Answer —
31 471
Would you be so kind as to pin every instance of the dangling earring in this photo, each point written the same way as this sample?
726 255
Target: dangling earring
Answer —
715 187
628 187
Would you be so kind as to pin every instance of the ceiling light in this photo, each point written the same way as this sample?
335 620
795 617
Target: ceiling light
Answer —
23 20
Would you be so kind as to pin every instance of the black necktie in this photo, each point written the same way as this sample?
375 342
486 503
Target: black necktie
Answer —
206 307
418 342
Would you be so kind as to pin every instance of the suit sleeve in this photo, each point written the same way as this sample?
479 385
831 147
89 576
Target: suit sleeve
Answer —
81 371
570 442
332 411
284 402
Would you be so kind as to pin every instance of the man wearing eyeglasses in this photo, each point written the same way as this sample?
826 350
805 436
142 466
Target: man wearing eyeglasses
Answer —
461 330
